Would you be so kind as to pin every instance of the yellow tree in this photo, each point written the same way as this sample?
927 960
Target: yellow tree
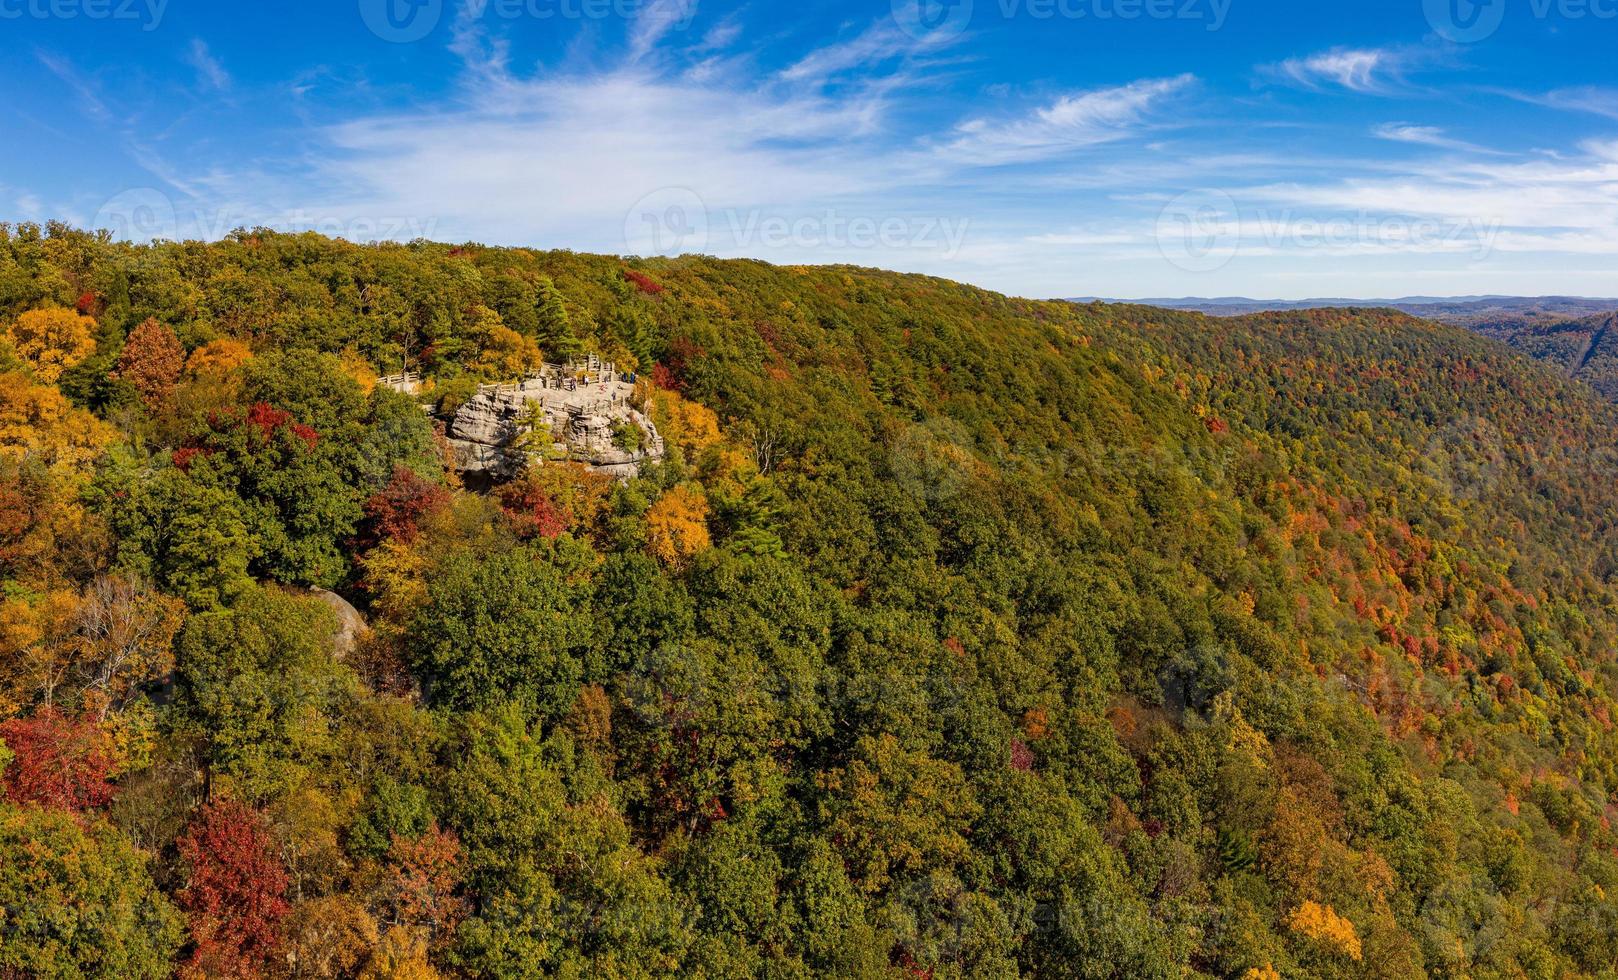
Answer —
124 634
332 936
218 358
1322 924
401 955
685 424
51 341
677 526
503 353
36 422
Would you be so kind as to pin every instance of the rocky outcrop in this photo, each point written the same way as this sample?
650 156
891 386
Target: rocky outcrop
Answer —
586 408
351 624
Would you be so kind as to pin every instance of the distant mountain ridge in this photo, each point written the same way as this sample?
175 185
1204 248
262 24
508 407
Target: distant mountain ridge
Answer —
1574 333
1462 310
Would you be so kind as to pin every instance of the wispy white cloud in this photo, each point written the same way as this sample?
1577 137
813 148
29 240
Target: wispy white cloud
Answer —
1541 205
655 20
1593 99
1368 71
211 72
1433 136
1072 122
86 91
721 35
568 154
866 51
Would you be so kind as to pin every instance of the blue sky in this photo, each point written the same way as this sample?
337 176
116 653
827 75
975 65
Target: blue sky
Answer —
1274 148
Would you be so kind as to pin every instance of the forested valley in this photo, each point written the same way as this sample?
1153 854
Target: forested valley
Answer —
953 636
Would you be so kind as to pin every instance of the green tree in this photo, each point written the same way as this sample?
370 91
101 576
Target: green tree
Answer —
502 627
556 336
77 900
563 889
263 688
517 302
188 536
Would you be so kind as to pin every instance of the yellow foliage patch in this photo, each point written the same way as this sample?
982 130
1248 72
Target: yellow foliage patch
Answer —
359 369
1322 924
218 358
677 526
36 422
51 341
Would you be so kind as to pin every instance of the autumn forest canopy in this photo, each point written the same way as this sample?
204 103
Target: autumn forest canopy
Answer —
951 636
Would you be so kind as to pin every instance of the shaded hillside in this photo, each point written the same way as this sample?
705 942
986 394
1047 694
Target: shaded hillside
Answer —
957 635
1571 332
1587 348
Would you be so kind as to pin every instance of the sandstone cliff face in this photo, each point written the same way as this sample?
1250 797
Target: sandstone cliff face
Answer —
583 419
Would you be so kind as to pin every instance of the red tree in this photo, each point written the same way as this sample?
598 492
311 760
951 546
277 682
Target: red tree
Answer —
532 512
152 361
236 896
396 511
60 763
427 878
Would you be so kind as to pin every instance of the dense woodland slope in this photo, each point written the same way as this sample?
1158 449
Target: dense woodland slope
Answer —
1574 333
1585 347
960 636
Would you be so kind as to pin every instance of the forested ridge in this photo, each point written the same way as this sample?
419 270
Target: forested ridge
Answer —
1585 347
956 636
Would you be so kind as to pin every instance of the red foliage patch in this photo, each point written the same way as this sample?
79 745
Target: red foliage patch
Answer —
1022 757
1216 425
22 498
396 511
643 282
267 418
427 872
665 379
532 512
60 763
671 374
89 304
185 456
309 436
235 898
